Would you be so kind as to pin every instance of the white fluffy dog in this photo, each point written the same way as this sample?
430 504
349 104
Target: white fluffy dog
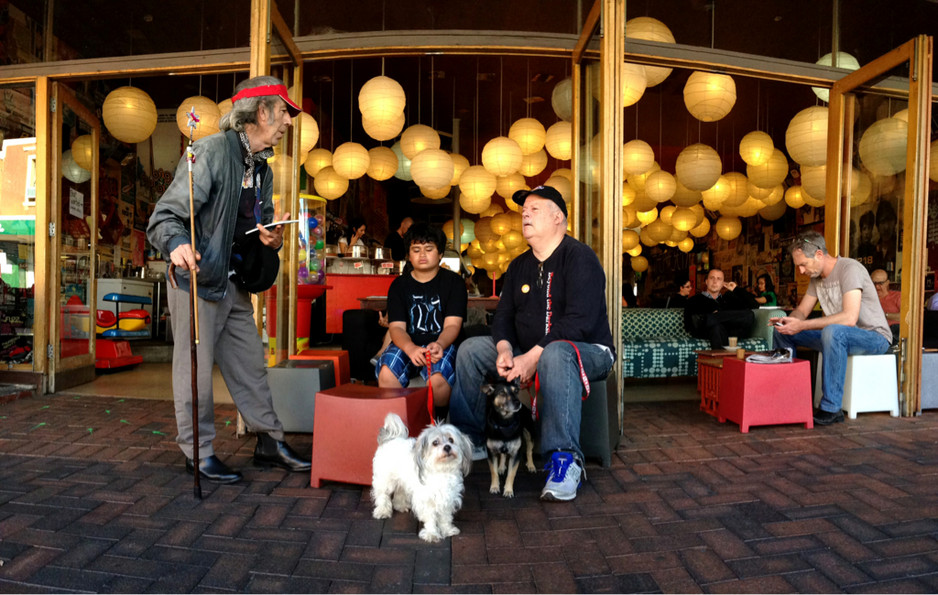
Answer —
424 475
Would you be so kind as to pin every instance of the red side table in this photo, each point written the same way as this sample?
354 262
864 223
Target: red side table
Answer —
765 394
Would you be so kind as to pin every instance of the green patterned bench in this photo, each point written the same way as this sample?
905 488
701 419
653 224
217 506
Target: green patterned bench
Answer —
655 344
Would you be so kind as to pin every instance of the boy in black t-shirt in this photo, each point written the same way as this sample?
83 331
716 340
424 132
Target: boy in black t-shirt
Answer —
426 309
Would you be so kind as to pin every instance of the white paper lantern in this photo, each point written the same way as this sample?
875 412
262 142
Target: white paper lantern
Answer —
628 194
381 99
883 146
83 151
844 60
316 160
205 109
639 264
561 185
728 228
637 157
739 189
794 197
806 136
529 134
633 83
647 217
665 213
350 160
72 171
329 184
660 186
774 211
506 186
403 164
224 106
684 219
475 184
756 192
474 205
698 167
435 193
771 173
129 114
650 29
814 181
756 147
432 168
501 156
561 99
862 190
559 140
809 200
709 96
417 138
684 196
533 164
702 229
382 163
460 164
775 196
383 129
309 132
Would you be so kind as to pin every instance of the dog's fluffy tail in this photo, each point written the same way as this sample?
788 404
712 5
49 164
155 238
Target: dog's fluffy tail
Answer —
393 428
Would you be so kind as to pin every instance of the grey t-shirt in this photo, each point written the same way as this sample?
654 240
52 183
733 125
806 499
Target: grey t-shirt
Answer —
847 275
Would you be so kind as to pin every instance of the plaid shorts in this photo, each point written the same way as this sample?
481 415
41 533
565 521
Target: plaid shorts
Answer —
398 362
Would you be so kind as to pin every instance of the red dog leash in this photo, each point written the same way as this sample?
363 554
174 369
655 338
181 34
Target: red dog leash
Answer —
426 356
583 378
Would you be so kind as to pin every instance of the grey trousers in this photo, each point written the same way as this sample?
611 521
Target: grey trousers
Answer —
227 337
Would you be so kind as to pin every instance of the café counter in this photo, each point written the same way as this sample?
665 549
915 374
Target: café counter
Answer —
345 292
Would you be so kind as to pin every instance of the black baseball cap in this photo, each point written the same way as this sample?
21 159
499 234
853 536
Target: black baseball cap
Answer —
548 192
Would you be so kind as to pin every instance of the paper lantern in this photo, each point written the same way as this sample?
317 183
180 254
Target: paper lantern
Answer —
902 115
771 173
650 29
417 138
561 99
224 106
698 167
382 163
814 181
403 164
756 147
756 192
316 160
709 96
660 186
533 164
435 193
432 168
716 194
506 186
468 233
474 204
529 134
775 196
647 217
773 212
702 229
483 229
643 203
639 264
665 213
862 190
794 197
129 114
381 99
205 109
629 218
883 146
350 160
633 83
739 189
684 219
728 228
561 185
559 140
501 224
309 133
629 239
83 151
684 196
933 162
564 172
806 136
329 184
72 171
637 181
637 157
637 250
501 156
686 245
677 235
628 194
513 239
476 184
809 200
383 129
460 164
659 230
844 60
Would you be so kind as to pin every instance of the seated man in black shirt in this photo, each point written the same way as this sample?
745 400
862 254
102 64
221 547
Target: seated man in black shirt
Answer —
719 312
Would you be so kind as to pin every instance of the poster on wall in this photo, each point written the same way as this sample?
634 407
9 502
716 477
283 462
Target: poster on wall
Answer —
874 240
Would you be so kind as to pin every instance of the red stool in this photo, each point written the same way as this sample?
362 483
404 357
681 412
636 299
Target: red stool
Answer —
765 394
346 423
339 360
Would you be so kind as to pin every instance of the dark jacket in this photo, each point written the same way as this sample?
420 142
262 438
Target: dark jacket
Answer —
570 302
701 304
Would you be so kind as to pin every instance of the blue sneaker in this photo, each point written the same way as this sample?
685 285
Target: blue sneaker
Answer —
563 477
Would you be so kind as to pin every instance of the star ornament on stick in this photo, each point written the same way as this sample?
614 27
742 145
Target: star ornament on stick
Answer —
193 120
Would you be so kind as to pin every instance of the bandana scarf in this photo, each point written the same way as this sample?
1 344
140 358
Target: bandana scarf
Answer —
250 159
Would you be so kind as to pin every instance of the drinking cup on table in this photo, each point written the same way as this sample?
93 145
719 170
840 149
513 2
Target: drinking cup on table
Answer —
732 341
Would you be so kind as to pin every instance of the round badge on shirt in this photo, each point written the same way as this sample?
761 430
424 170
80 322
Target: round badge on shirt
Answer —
525 288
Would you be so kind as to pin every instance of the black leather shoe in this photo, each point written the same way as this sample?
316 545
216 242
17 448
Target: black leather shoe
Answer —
275 452
214 470
826 418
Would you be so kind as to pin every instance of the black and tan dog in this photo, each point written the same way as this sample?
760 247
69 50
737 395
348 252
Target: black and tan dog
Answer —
507 421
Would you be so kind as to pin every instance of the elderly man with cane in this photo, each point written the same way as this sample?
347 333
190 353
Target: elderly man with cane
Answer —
235 254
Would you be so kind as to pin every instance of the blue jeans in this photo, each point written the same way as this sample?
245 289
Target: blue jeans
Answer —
559 403
835 342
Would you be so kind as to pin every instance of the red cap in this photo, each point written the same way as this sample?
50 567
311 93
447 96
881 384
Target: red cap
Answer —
266 90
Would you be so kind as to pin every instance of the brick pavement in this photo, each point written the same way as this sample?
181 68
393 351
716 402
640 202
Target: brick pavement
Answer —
93 498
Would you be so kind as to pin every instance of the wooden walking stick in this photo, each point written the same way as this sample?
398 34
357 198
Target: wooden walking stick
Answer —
193 317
